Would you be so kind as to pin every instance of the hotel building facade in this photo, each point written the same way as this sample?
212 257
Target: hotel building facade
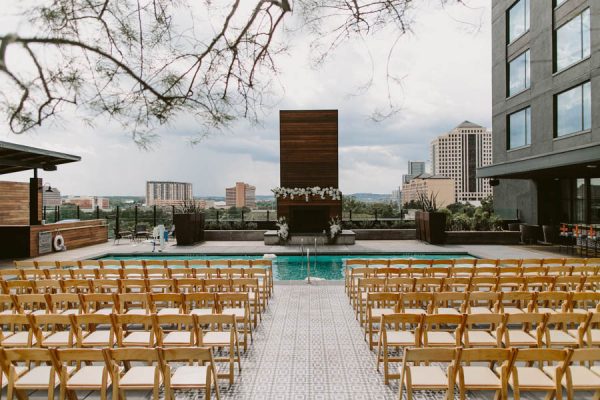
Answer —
546 110
167 193
241 195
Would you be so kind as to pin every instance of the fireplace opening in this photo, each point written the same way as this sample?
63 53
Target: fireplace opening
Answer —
309 219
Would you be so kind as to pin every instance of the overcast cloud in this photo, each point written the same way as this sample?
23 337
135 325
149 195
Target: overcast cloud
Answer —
445 65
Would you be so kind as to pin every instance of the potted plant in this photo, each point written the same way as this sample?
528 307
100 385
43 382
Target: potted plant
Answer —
431 222
189 223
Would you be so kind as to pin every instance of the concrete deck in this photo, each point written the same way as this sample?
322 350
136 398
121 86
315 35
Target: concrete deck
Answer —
361 247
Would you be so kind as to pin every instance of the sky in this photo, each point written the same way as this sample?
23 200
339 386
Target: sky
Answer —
445 70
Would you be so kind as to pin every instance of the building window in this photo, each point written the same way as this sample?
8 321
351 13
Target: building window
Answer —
519 128
573 41
518 20
558 2
595 200
519 74
574 110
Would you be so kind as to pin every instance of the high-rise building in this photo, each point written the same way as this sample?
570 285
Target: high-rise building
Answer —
397 197
546 110
241 195
440 187
168 193
457 155
51 196
414 168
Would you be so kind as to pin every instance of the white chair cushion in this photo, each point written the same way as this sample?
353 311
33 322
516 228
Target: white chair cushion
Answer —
521 338
97 338
169 311
139 377
532 377
437 338
137 338
57 339
430 377
178 338
558 337
201 311
216 338
38 378
88 377
238 312
481 338
400 338
189 377
480 377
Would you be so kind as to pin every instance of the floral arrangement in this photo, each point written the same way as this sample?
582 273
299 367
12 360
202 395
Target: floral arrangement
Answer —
283 233
335 228
331 192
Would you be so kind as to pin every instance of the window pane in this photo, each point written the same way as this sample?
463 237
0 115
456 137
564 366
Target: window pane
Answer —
519 74
518 20
519 128
585 33
579 206
569 111
587 106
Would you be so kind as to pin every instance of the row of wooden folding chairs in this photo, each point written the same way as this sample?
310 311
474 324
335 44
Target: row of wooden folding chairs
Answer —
72 370
219 331
135 303
460 272
399 331
153 263
475 303
476 284
253 286
263 274
497 369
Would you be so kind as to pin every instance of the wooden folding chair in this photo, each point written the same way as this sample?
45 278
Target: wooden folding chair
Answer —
551 302
207 272
464 262
565 329
109 273
428 377
8 304
219 331
592 333
99 303
218 263
46 264
65 303
437 272
134 330
128 377
529 332
351 264
531 378
134 265
356 274
449 303
32 304
102 285
231 273
200 372
460 284
29 378
429 284
197 264
441 330
12 273
93 330
483 284
478 377
17 286
511 284
400 285
133 303
268 266
173 330
199 303
482 330
530 271
580 377
176 264
217 285
263 284
482 302
25 264
486 262
416 303
513 262
56 274
53 330
388 272
76 285
584 302
539 283
363 287
86 377
396 331
572 283
177 272
517 302
256 299
238 305
19 333
189 285
161 285
459 271
47 286
166 303
155 269
378 304
133 285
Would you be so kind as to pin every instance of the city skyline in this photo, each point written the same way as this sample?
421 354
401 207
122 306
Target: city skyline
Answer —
372 155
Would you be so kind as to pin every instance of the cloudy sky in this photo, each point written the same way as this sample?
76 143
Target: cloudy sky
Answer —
445 66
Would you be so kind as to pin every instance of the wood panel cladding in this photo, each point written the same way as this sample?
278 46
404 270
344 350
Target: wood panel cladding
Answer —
14 203
76 234
308 148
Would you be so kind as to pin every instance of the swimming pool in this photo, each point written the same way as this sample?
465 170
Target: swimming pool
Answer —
293 267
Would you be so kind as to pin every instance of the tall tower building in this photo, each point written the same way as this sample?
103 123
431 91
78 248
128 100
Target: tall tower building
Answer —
241 195
458 154
414 168
167 193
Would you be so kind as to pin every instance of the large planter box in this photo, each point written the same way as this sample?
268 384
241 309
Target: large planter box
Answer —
431 226
189 228
385 234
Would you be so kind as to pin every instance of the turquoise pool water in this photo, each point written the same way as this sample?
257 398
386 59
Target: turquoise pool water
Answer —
293 267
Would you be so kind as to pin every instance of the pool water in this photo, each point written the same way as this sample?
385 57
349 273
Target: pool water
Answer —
294 267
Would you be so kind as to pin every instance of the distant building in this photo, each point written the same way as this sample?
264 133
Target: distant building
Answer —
414 168
168 193
440 186
51 196
397 197
457 155
241 195
88 202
